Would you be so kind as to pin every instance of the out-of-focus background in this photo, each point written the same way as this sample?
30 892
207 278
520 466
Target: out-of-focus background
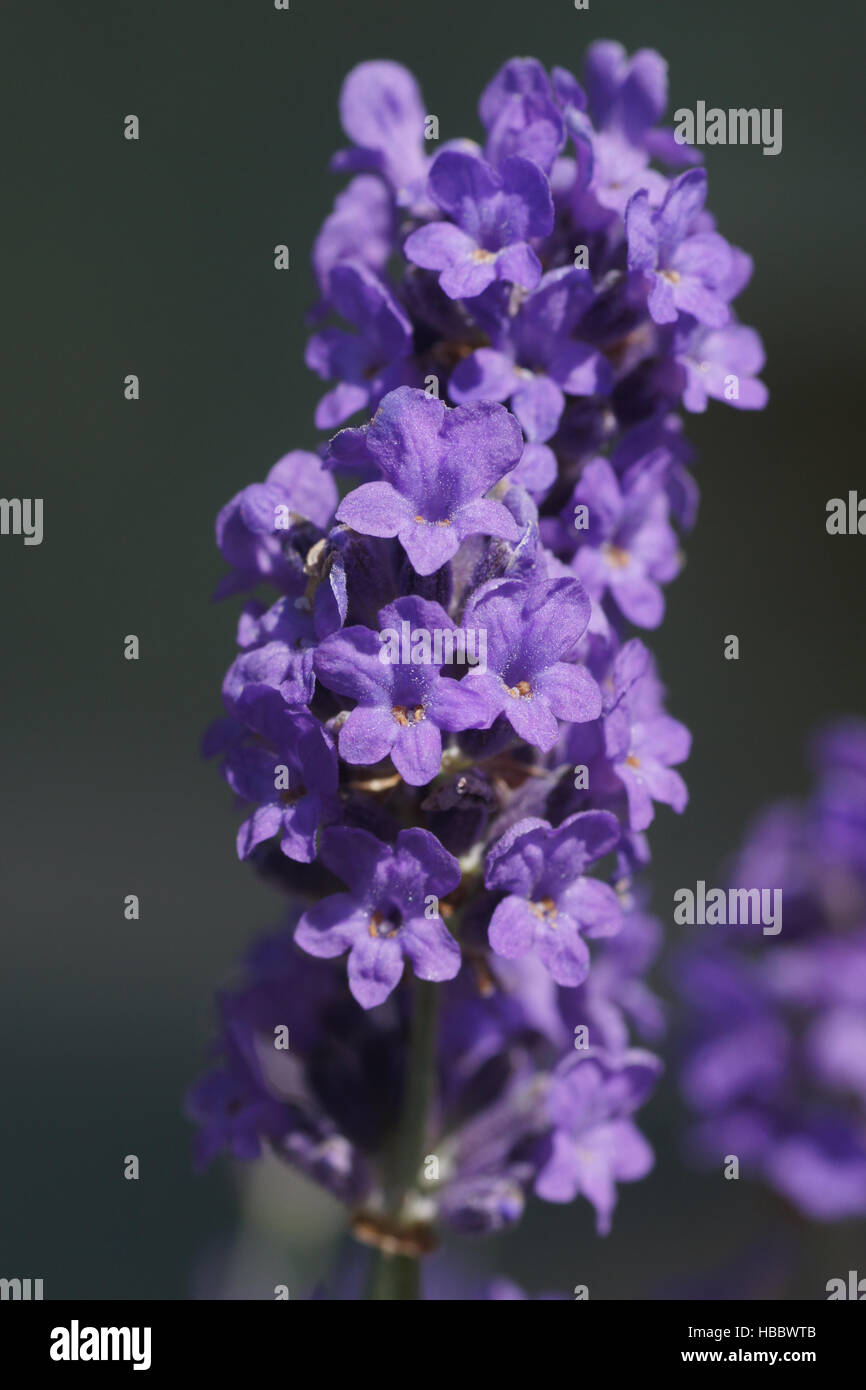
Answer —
156 258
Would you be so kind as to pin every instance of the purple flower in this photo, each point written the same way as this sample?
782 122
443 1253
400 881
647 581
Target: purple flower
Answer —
258 1096
822 1170
628 96
437 464
595 1142
252 528
495 214
722 363
628 548
289 767
493 1158
362 228
390 911
642 741
234 1112
382 111
520 115
543 362
550 901
369 363
613 124
278 651
632 748
533 676
615 994
684 268
402 706
610 172
774 1039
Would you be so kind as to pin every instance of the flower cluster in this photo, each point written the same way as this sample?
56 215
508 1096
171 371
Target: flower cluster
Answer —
775 1058
447 741
517 1107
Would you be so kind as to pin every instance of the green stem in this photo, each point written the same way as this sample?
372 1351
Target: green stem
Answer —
394 1278
420 1073
398 1277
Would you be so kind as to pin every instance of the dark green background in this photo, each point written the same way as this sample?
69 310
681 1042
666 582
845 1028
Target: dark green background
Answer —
157 258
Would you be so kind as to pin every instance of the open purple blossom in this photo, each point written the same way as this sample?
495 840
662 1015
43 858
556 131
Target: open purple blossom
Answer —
635 747
389 913
628 549
615 1000
685 268
534 677
495 213
610 171
642 741
402 706
596 1144
629 754
722 364
437 465
551 903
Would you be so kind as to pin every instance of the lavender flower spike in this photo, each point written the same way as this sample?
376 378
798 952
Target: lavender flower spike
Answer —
444 706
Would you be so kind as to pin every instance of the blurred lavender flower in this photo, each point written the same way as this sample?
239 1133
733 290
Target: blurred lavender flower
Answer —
775 1048
595 1144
